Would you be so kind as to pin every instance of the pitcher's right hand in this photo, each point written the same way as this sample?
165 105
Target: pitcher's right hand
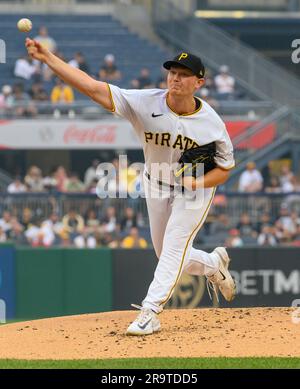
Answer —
36 50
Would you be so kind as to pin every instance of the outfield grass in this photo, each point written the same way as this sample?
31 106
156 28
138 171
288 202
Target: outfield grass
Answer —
157 363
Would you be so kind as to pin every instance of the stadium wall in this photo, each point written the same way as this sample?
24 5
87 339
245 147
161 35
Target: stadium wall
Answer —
37 282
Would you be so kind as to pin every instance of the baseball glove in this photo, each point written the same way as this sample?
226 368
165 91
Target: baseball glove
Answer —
191 161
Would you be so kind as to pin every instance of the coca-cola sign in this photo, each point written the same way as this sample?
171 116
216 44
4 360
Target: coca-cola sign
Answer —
99 134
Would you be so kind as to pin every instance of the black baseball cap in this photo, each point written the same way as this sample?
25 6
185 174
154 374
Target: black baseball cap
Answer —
189 61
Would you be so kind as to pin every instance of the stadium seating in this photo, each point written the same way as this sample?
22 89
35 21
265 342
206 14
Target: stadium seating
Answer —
93 35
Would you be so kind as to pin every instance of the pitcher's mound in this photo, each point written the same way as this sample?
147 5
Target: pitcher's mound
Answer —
185 333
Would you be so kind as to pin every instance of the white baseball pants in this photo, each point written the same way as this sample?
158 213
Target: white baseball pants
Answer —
173 228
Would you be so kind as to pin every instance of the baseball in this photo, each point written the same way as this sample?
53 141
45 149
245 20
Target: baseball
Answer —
24 25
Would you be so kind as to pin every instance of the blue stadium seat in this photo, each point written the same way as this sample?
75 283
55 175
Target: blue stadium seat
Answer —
93 35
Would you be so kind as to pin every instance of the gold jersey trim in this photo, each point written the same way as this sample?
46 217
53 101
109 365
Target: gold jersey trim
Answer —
186 114
111 99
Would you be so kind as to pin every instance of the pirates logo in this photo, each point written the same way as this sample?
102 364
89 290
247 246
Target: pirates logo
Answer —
188 293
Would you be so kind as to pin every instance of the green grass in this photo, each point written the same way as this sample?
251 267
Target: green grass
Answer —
157 363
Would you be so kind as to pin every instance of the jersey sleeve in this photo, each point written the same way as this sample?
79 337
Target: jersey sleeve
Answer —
224 151
125 102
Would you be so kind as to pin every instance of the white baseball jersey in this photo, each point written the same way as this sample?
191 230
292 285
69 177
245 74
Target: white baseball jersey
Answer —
165 134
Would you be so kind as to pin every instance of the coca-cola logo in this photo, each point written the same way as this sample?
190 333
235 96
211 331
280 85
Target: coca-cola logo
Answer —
100 134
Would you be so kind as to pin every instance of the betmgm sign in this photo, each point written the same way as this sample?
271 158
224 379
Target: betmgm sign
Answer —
2 305
2 51
2 312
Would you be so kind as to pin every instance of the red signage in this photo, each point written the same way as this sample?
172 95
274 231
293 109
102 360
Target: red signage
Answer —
100 134
265 136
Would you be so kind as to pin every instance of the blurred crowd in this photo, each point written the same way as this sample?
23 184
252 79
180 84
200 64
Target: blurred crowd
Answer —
119 179
130 229
234 222
35 83
284 229
252 181
126 179
76 230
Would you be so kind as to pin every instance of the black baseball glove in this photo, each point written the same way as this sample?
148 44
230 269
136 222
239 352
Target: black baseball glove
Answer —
191 161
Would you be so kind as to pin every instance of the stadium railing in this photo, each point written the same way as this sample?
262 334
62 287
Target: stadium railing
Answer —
256 73
89 110
231 203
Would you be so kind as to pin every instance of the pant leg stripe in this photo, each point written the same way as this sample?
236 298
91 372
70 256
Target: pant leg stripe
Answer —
199 225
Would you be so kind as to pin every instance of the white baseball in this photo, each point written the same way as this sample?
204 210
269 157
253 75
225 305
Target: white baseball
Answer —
24 25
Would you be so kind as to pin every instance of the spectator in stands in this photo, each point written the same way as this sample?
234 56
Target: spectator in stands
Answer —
161 82
26 218
90 173
285 219
234 239
264 221
92 222
285 222
38 93
79 62
296 219
286 179
5 223
16 186
274 186
62 93
145 81
44 39
220 204
21 104
34 180
74 184
251 180
286 228
134 84
110 221
220 226
3 237
112 239
296 241
49 182
205 95
267 237
133 240
109 70
73 224
6 99
224 83
129 219
61 177
16 233
55 225
246 228
92 189
26 69
209 80
40 234
33 235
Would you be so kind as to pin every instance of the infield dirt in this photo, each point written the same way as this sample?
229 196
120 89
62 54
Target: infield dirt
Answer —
247 332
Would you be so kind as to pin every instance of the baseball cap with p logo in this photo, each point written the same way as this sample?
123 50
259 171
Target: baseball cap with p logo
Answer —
189 61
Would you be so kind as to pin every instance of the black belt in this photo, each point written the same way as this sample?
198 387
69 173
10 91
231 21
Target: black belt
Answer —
161 183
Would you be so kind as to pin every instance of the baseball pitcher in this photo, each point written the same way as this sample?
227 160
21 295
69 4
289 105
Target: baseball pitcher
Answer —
174 127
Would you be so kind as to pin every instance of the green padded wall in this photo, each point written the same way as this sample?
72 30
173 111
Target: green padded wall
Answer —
58 282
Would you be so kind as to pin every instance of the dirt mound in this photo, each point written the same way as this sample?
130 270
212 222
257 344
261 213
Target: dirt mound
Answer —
185 333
